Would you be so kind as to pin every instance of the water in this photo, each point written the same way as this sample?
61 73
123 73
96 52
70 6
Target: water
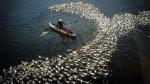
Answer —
25 22
127 60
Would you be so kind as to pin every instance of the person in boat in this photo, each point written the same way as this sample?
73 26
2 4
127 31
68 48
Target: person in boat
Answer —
60 24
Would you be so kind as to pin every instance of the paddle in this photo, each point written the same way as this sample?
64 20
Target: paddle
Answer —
68 24
73 22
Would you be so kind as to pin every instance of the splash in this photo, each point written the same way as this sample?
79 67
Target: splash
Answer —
83 65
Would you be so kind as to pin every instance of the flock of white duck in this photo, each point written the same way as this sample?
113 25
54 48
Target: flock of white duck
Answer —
83 65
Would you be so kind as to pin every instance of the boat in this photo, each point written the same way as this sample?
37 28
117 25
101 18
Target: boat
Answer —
63 32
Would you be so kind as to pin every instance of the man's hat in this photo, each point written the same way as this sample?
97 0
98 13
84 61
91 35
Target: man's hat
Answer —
60 19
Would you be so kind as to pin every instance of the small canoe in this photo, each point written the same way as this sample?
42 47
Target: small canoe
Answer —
64 31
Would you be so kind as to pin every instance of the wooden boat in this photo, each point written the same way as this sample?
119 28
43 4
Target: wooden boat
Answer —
64 32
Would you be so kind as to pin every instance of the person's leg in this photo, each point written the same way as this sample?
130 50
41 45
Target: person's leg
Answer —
62 27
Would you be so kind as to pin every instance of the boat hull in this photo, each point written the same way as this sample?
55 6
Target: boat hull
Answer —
63 32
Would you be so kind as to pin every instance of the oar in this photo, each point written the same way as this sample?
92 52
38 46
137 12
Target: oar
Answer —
74 22
68 24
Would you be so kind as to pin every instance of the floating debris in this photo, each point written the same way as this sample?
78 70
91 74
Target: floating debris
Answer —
82 65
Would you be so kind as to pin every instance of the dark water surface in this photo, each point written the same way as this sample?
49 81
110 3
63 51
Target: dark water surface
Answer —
22 21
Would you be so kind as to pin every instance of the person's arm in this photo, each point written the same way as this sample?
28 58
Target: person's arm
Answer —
64 23
57 24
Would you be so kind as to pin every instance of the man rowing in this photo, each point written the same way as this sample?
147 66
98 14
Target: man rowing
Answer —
60 24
